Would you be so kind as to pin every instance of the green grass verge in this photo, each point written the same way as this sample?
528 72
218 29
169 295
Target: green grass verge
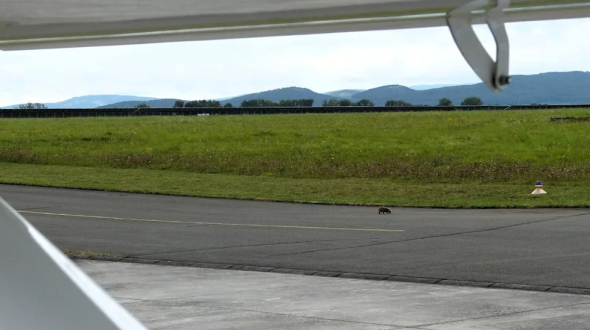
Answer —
440 159
506 146
91 254
352 191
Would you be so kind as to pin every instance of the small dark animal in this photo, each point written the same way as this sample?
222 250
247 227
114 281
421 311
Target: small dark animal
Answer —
383 210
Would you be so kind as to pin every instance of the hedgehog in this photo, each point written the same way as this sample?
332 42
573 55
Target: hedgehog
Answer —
384 210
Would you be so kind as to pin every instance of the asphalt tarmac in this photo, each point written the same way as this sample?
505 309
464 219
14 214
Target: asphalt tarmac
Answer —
538 249
183 298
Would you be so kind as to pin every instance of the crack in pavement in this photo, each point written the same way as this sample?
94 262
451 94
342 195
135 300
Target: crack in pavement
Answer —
40 208
433 236
247 246
500 315
306 317
176 302
189 302
420 326
380 277
173 300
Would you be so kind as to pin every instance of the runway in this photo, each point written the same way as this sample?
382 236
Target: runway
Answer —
541 249
183 298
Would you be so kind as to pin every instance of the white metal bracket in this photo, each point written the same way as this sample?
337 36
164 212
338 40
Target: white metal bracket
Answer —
494 74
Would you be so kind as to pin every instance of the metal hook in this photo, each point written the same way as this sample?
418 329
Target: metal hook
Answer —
494 74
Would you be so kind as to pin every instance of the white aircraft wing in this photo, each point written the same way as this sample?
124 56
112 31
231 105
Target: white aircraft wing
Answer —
40 288
34 24
39 24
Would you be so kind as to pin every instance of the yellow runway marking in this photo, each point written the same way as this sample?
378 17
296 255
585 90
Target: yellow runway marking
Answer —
211 223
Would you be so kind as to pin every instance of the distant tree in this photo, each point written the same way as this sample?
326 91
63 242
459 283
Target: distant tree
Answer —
142 105
258 103
203 104
30 105
296 103
396 103
178 104
267 104
214 104
248 104
331 103
365 103
472 101
340 103
444 102
287 103
228 105
307 102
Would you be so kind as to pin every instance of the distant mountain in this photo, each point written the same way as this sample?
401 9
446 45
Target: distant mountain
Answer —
544 88
380 95
345 93
289 93
426 87
89 101
159 103
227 98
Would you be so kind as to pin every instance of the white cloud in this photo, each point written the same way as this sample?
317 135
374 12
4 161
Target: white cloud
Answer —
214 69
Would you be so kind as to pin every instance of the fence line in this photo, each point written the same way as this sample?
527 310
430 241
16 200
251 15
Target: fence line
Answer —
133 112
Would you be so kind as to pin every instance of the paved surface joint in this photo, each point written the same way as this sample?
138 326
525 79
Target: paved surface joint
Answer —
363 276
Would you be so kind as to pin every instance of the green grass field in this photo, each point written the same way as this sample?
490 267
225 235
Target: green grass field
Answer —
446 159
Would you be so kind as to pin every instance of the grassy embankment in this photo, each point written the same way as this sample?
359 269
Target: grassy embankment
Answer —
453 159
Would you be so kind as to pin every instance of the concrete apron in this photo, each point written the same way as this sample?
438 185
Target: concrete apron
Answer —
168 297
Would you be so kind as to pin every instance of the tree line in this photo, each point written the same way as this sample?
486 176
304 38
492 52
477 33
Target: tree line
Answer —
444 102
255 103
31 106
260 103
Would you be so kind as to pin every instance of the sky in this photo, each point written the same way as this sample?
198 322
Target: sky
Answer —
225 68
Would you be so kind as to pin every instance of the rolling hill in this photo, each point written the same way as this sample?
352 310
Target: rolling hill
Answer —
345 93
425 87
544 88
289 93
159 103
90 101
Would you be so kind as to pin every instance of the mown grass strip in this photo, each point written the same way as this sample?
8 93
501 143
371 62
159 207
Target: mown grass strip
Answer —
430 159
351 191
508 146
